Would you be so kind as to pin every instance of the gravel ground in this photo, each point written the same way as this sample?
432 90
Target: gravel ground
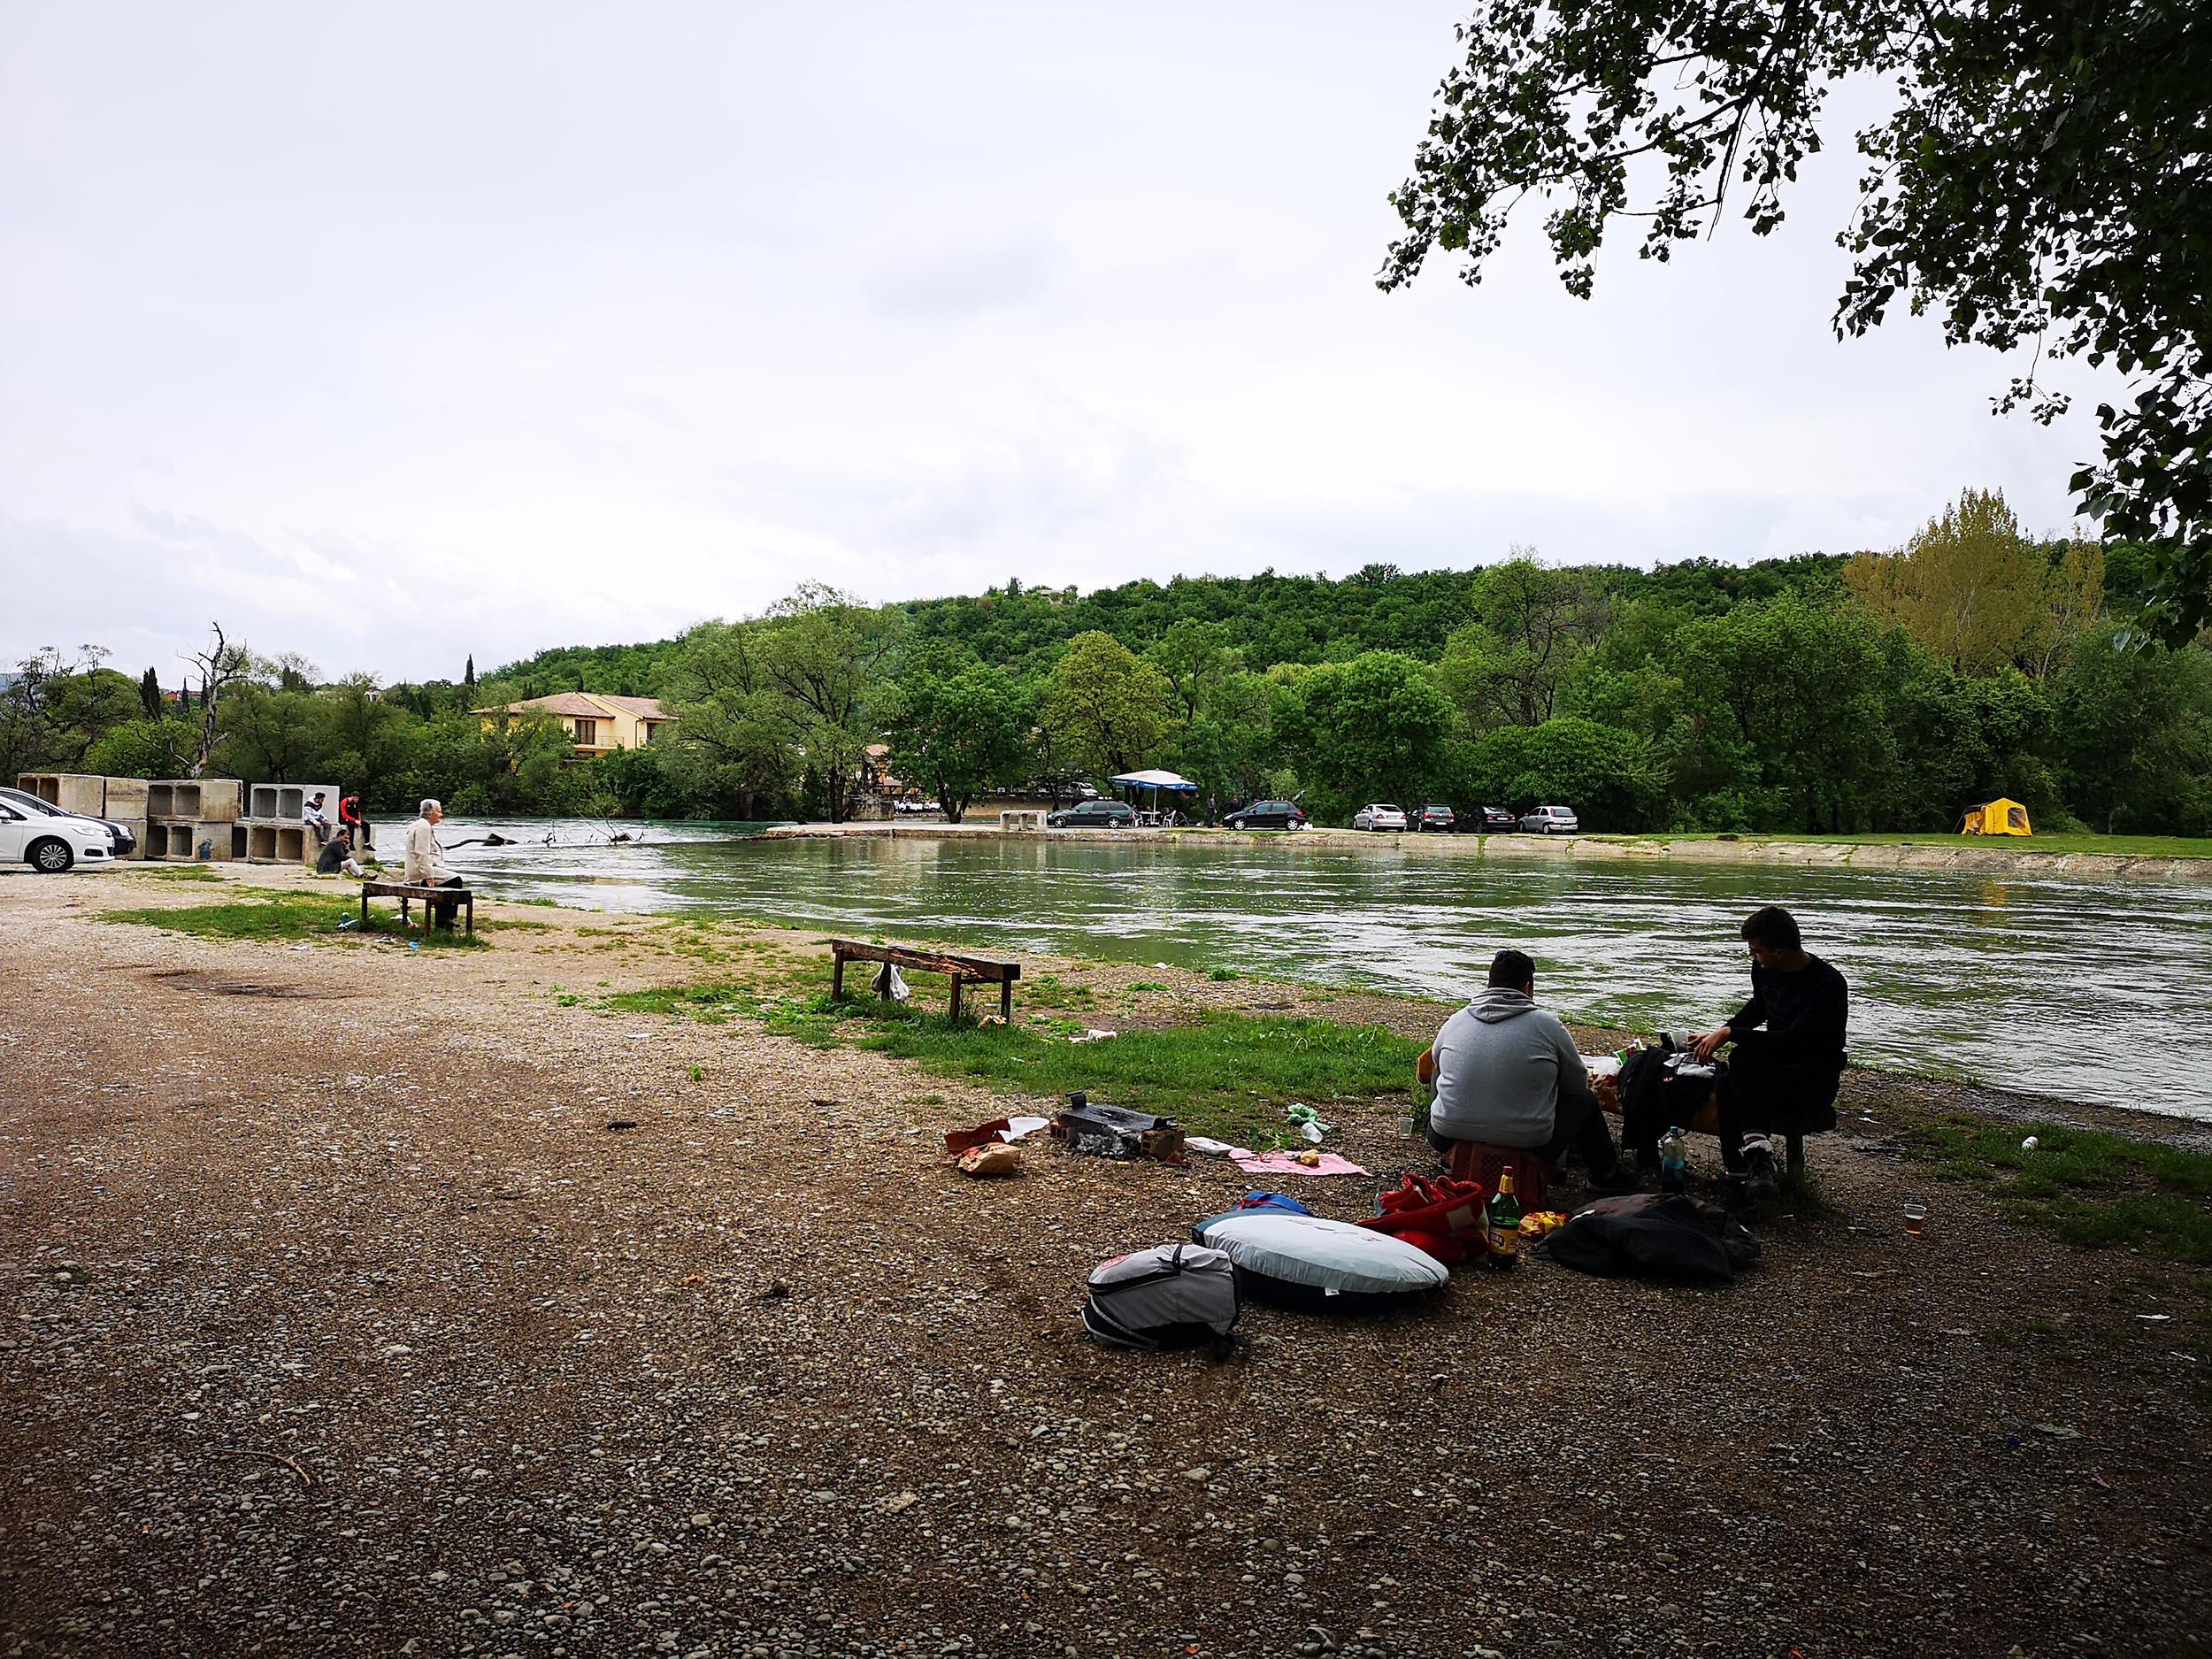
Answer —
340 1323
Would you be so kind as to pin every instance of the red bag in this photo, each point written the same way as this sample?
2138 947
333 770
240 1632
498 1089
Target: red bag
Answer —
1437 1217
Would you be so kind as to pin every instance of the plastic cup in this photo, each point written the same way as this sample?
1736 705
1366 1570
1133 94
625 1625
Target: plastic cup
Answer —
1916 1220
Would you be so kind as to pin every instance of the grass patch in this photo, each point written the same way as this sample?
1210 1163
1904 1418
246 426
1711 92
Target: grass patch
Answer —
1227 1075
177 872
288 918
2093 1189
2119 846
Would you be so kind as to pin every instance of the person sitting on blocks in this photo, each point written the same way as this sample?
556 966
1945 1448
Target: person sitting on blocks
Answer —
1507 1074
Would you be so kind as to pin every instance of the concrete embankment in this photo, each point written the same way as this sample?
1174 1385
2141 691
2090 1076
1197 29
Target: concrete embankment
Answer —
1980 858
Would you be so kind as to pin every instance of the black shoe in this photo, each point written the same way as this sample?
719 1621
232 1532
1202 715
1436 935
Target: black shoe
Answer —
1612 1182
1763 1184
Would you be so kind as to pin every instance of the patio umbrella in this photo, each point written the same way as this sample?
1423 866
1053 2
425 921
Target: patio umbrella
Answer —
1157 781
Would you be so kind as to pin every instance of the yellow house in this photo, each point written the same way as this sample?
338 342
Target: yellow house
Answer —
2000 816
597 723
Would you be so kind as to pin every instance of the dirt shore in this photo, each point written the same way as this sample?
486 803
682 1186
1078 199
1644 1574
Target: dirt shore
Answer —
342 1322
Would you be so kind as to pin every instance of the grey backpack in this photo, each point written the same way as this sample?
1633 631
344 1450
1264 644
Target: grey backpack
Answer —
1171 1295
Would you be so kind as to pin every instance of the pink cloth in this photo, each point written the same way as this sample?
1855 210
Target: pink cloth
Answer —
1286 1163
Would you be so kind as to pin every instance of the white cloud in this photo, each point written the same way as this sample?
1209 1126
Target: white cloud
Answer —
585 324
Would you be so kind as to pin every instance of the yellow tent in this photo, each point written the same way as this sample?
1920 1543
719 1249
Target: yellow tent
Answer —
2000 816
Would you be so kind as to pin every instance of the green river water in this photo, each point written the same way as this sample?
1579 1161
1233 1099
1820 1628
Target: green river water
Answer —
2097 992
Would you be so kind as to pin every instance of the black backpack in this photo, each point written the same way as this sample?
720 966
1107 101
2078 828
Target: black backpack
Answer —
1171 1295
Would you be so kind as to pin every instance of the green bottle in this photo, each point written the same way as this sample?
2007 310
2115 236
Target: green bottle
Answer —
1502 1225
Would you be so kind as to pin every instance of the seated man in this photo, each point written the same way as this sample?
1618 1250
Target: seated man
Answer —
1785 1077
1508 1075
315 820
337 855
425 865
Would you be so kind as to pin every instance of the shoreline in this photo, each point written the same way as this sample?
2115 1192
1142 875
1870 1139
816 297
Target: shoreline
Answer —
2150 870
1194 990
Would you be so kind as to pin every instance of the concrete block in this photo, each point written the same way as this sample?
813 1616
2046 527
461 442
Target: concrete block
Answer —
139 829
81 792
294 845
125 799
196 800
211 840
45 784
261 801
169 842
238 840
261 843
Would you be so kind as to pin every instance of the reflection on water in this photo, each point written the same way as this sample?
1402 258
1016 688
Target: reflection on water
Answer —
2088 992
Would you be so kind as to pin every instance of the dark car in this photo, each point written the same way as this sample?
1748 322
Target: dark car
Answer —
1496 820
1093 815
125 843
1435 818
1284 815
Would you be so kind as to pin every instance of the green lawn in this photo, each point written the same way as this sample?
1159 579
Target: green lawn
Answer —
292 916
1225 1075
2117 846
2093 1189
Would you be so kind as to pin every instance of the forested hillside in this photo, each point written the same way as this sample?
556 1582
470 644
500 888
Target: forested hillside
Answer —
1879 692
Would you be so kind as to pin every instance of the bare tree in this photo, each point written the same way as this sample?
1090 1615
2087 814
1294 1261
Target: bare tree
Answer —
220 664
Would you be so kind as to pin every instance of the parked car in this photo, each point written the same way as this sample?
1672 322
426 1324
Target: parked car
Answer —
1287 815
124 841
1494 820
1552 820
1440 818
1379 815
1093 815
51 842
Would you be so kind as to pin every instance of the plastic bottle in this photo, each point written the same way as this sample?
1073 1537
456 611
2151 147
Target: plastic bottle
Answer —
1502 1225
1674 1160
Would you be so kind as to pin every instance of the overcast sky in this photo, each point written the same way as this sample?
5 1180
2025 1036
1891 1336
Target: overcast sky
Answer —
396 332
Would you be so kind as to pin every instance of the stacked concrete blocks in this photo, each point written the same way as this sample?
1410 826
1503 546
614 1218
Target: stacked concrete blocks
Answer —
118 799
190 818
275 830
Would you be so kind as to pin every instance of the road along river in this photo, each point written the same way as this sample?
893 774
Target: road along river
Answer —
2088 991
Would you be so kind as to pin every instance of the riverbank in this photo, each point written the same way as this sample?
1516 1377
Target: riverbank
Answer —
338 1299
2175 861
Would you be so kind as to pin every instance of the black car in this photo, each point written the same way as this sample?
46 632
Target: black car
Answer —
1496 820
1285 815
125 843
1435 818
1093 815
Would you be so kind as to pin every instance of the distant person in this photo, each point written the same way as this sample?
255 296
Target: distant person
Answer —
1787 1062
350 815
316 818
1508 1075
337 857
425 866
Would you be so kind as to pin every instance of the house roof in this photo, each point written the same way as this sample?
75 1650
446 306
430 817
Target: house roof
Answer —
589 705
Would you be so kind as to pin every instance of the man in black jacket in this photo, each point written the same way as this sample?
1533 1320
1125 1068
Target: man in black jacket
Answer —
1783 1077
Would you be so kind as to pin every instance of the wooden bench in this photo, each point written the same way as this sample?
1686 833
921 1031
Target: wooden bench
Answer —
962 969
407 892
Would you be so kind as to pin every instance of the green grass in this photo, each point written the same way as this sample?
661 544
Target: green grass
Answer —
177 872
2119 846
1227 1075
2093 1190
293 917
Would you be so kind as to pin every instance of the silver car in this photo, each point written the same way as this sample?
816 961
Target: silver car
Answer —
1379 817
1551 821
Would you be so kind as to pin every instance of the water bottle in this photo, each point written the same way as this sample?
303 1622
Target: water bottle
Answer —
1674 1160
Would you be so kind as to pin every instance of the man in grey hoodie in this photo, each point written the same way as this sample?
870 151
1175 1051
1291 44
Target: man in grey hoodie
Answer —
1508 1075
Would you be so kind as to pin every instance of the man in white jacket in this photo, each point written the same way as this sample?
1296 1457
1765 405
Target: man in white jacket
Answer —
425 866
1508 1074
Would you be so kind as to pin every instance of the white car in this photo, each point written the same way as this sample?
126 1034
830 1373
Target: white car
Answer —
51 845
1552 820
1379 817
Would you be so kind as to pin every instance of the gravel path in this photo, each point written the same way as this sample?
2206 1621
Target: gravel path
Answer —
340 1323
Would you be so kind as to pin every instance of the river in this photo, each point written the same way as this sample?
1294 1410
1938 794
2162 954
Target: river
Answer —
2085 991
